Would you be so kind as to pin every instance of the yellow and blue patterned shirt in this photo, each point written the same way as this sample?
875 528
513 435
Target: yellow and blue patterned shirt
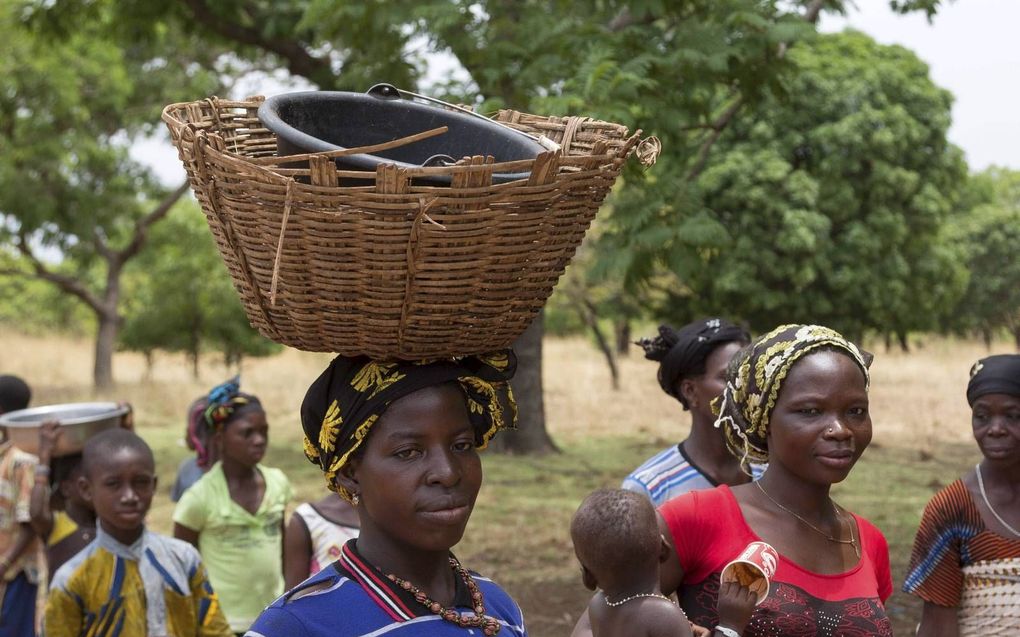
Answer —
157 587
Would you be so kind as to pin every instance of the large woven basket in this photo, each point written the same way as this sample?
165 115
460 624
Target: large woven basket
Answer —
394 270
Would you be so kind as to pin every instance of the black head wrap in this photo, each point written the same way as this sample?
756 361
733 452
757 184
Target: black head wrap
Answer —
347 399
998 374
756 375
682 353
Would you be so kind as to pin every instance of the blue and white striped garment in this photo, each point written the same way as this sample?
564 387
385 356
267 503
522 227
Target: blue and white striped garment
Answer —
351 598
670 473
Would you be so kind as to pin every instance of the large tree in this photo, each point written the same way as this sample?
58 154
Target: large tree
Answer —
824 202
71 100
987 234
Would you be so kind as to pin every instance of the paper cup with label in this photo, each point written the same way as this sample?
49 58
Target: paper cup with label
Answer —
753 568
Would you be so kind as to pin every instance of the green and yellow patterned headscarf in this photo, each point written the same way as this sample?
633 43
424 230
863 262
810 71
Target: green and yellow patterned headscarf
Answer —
755 377
346 400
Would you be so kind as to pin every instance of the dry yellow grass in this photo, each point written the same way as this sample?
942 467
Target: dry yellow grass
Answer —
917 398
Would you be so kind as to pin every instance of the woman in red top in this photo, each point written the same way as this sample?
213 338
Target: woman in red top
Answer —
797 398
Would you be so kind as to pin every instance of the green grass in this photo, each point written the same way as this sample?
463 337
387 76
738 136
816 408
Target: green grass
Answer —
519 532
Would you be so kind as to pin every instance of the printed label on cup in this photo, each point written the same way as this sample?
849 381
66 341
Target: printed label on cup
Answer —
753 568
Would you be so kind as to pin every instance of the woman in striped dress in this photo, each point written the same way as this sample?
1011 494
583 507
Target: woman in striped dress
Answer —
966 559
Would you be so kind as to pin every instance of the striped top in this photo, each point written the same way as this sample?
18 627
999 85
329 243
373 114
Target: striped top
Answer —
958 562
666 475
156 587
353 598
670 473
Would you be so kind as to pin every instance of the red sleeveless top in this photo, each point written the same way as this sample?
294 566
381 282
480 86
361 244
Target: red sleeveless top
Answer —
709 530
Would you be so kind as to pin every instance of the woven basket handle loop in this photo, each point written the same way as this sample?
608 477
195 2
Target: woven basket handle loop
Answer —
648 150
288 200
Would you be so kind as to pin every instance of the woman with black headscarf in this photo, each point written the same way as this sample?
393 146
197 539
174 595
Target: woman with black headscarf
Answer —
692 369
966 559
400 441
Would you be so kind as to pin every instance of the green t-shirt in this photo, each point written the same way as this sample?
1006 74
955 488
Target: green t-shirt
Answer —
242 552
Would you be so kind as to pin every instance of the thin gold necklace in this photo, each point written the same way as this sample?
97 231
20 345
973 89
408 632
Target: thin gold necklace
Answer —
984 496
814 528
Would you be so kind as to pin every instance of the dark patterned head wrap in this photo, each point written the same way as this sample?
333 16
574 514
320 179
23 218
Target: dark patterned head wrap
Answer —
347 399
682 353
225 401
756 375
998 374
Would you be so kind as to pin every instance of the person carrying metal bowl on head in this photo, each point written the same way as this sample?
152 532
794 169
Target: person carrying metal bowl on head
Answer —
966 559
400 441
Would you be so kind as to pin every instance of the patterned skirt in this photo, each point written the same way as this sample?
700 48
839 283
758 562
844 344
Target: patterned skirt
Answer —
990 600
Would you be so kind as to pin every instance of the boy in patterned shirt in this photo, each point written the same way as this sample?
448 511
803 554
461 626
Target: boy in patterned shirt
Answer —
129 582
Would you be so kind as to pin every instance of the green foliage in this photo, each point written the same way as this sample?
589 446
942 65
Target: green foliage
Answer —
70 107
31 306
987 235
179 296
823 202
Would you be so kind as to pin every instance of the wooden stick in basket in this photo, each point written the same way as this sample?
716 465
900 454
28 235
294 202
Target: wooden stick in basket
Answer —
343 152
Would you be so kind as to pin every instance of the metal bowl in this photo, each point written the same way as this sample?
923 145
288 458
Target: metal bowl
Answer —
78 423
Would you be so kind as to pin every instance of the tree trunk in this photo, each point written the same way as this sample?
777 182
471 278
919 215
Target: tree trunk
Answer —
531 436
623 336
586 309
904 342
150 361
986 338
106 338
195 345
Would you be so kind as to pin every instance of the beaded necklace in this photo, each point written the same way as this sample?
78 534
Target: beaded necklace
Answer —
489 625
637 596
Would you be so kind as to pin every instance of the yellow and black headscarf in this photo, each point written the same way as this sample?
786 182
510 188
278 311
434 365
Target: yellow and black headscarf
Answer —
344 402
756 375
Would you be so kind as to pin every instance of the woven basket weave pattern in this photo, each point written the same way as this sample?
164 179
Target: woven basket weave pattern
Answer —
393 269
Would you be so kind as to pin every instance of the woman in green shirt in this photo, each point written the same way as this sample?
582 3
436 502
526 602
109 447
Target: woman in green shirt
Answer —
235 513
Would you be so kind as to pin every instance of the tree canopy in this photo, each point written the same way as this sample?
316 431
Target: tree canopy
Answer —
823 203
71 101
986 233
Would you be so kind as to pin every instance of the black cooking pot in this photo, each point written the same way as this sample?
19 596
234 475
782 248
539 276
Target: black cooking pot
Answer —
317 121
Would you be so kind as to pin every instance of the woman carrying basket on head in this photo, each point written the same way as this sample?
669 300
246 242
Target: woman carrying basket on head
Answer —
400 442
797 398
966 559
